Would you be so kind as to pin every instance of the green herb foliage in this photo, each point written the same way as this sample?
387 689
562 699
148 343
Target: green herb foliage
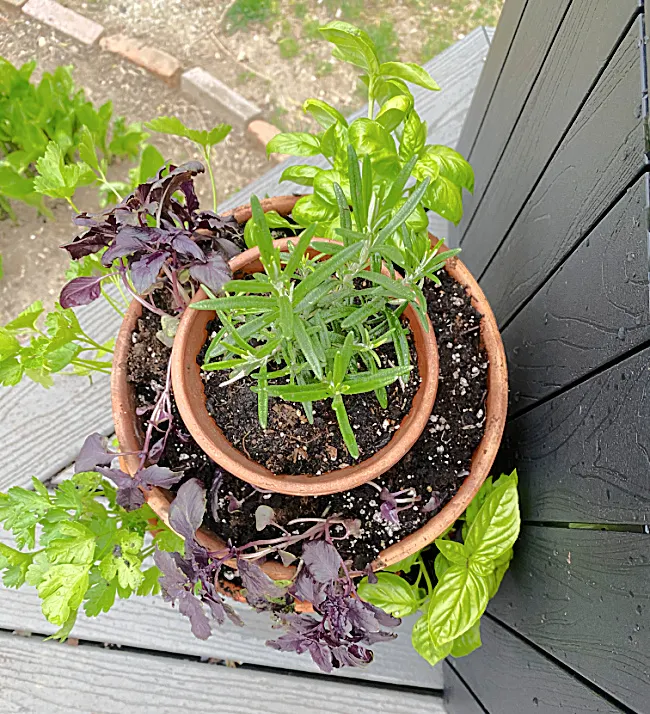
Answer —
43 128
392 139
306 328
78 547
37 345
468 572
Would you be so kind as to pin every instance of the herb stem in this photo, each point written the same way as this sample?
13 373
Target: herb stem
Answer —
423 571
206 153
112 303
74 208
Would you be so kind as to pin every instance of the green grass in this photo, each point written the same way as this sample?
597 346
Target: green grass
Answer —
244 12
386 40
289 47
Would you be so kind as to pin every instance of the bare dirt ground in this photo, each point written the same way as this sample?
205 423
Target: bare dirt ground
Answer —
269 50
33 263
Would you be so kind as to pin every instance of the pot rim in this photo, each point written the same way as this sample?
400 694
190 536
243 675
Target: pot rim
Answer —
190 400
130 438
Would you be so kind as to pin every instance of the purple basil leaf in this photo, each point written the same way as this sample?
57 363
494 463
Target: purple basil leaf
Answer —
129 240
389 513
264 516
371 575
173 581
217 609
81 291
306 589
259 586
214 273
352 656
191 201
159 476
130 497
322 560
117 476
227 248
144 272
233 503
322 656
156 451
190 606
93 453
433 504
187 509
183 244
382 618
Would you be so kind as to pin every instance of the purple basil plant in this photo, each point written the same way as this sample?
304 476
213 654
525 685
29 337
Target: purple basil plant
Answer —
156 237
342 627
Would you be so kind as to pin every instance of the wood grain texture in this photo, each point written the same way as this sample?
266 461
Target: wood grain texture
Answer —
53 678
510 677
583 597
593 309
586 39
458 698
584 456
41 430
151 624
597 160
500 45
533 38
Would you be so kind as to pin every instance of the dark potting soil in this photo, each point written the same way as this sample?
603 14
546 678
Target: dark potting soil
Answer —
290 444
435 467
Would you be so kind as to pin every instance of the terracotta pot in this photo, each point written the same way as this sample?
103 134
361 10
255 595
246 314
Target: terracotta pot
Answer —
130 437
190 398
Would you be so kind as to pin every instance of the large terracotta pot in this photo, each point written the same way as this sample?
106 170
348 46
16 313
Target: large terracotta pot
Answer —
190 398
130 437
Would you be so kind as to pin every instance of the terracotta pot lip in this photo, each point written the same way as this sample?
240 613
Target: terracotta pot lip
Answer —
190 399
129 438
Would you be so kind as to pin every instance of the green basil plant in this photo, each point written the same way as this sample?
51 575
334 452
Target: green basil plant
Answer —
392 137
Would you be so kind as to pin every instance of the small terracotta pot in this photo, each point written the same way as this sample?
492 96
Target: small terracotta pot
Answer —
190 398
130 436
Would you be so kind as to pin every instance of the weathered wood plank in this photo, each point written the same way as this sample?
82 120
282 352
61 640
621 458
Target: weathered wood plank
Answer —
151 624
534 36
584 456
584 43
597 160
595 308
510 677
458 699
49 677
583 597
41 430
500 47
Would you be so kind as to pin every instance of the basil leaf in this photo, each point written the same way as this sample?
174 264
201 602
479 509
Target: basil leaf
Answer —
414 136
304 174
404 566
496 526
424 645
452 165
352 45
312 209
454 552
390 593
369 137
409 72
468 641
445 198
458 600
392 113
324 113
296 143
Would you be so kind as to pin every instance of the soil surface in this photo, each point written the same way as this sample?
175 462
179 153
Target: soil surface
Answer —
435 467
34 265
290 444
272 51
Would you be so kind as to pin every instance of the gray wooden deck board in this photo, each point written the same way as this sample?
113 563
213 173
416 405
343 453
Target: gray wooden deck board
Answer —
41 430
150 623
51 678
583 597
582 48
513 679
